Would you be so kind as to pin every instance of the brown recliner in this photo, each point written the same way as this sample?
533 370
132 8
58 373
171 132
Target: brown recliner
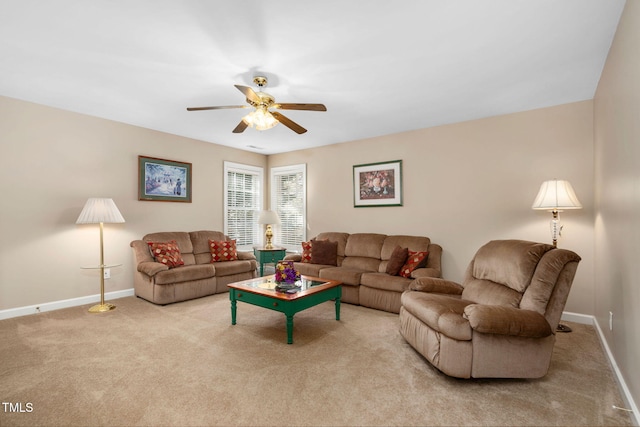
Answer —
501 321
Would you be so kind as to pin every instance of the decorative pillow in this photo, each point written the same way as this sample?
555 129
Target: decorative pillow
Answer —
224 250
324 252
166 253
414 260
398 258
306 251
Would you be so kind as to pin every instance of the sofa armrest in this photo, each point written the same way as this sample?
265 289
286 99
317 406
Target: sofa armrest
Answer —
496 319
425 272
436 285
151 268
293 257
242 255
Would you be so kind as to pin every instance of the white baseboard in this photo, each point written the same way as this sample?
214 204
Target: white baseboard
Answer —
626 393
56 305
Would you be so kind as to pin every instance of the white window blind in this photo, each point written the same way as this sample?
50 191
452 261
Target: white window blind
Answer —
289 199
242 203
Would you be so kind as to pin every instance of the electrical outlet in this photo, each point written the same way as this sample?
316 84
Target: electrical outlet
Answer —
611 320
107 273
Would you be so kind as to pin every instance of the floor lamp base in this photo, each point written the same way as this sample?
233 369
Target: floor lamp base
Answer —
101 308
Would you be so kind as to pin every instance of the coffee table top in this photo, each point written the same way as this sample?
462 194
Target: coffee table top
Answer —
266 286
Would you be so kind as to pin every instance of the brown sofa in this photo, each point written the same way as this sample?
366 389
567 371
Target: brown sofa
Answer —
361 263
501 321
198 276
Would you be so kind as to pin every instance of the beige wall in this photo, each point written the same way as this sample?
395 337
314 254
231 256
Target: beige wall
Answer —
466 184
617 204
52 161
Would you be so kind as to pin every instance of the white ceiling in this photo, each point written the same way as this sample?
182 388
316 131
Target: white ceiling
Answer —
380 67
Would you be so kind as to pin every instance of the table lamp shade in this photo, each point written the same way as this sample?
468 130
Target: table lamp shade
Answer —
268 217
98 210
556 195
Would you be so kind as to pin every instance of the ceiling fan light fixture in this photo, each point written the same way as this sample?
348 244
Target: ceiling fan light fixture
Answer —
260 119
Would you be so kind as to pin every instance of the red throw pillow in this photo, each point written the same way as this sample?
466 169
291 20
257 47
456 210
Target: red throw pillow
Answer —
397 260
166 253
306 251
223 251
415 260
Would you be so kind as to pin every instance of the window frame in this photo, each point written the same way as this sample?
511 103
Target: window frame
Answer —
258 173
288 170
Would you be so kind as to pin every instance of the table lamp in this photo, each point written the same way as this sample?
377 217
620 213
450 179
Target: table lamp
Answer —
268 217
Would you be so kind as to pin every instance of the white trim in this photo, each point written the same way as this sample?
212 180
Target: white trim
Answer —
56 305
626 393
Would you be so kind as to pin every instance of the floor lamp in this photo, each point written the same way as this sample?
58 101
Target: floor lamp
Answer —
555 196
100 211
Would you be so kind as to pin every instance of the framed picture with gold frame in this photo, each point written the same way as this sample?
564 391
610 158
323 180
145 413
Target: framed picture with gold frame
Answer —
162 180
377 184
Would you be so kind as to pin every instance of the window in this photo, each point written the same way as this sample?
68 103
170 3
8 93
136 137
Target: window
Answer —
242 203
289 199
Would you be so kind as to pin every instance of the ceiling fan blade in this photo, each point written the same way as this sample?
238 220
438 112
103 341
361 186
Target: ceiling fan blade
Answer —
249 93
288 122
309 107
241 127
222 107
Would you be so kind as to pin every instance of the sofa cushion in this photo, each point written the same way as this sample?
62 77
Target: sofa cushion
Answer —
308 269
223 250
341 238
414 260
185 273
306 251
385 282
182 238
397 260
345 275
324 252
166 253
367 245
200 241
361 263
227 268
413 243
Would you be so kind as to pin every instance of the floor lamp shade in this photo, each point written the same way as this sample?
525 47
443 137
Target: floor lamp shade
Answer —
99 211
555 196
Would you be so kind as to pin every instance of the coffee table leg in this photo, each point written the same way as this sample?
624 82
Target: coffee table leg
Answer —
290 329
232 296
337 308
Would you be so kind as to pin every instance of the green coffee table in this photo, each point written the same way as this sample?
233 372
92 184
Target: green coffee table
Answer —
261 292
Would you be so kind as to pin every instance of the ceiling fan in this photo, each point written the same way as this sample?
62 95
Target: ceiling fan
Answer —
261 117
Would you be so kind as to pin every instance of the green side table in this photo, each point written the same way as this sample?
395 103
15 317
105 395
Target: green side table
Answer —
268 256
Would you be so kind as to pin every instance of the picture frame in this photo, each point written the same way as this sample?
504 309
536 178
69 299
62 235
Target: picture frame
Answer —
377 184
162 180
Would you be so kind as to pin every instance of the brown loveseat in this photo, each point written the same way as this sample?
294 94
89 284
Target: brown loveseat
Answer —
361 265
198 277
501 321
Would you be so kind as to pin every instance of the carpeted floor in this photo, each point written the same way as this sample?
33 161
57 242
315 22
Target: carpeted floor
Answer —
184 364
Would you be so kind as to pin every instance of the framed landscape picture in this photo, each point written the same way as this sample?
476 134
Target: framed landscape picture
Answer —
162 180
377 184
